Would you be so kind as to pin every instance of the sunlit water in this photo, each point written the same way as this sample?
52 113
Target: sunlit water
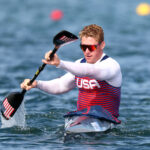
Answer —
26 33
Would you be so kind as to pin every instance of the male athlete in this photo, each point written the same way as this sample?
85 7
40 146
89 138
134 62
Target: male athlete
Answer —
97 76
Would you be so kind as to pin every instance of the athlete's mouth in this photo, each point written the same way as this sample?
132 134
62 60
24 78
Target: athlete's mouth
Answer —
88 56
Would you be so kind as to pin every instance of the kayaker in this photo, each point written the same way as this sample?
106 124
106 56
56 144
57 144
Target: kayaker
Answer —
97 76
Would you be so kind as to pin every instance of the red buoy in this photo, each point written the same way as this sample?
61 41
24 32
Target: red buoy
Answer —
56 15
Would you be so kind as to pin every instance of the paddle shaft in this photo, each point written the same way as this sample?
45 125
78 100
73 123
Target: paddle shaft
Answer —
40 69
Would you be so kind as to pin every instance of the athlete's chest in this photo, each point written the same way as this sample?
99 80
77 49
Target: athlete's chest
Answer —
87 83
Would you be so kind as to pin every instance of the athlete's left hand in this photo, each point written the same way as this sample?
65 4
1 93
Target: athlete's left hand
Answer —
55 61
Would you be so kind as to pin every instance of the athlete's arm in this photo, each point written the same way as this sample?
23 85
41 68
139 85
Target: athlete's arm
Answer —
57 86
108 70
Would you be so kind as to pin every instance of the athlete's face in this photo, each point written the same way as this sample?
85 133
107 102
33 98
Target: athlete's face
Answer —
93 55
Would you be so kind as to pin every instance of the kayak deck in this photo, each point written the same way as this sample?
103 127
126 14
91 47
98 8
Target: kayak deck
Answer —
82 124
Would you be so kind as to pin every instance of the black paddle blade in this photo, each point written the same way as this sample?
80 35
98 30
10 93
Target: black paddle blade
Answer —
10 104
64 37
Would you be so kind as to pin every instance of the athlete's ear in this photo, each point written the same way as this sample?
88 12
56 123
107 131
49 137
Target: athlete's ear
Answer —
102 45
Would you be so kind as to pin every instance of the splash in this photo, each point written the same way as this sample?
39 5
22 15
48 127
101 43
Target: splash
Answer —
17 120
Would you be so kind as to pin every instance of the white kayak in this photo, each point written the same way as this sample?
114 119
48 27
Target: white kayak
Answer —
83 124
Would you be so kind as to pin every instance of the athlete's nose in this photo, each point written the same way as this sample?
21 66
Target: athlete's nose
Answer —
87 50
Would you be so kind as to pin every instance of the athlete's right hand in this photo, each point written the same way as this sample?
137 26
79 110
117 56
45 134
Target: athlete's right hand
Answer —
25 84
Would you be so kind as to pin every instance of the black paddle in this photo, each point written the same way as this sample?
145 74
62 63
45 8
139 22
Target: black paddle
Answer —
12 102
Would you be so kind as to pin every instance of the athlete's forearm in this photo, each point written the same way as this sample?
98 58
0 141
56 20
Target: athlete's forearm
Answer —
108 71
57 86
97 71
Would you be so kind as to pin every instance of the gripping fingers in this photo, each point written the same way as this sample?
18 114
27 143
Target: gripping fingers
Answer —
47 55
25 84
54 61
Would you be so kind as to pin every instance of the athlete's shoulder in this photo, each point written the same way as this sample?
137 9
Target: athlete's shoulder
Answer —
79 60
111 61
114 70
